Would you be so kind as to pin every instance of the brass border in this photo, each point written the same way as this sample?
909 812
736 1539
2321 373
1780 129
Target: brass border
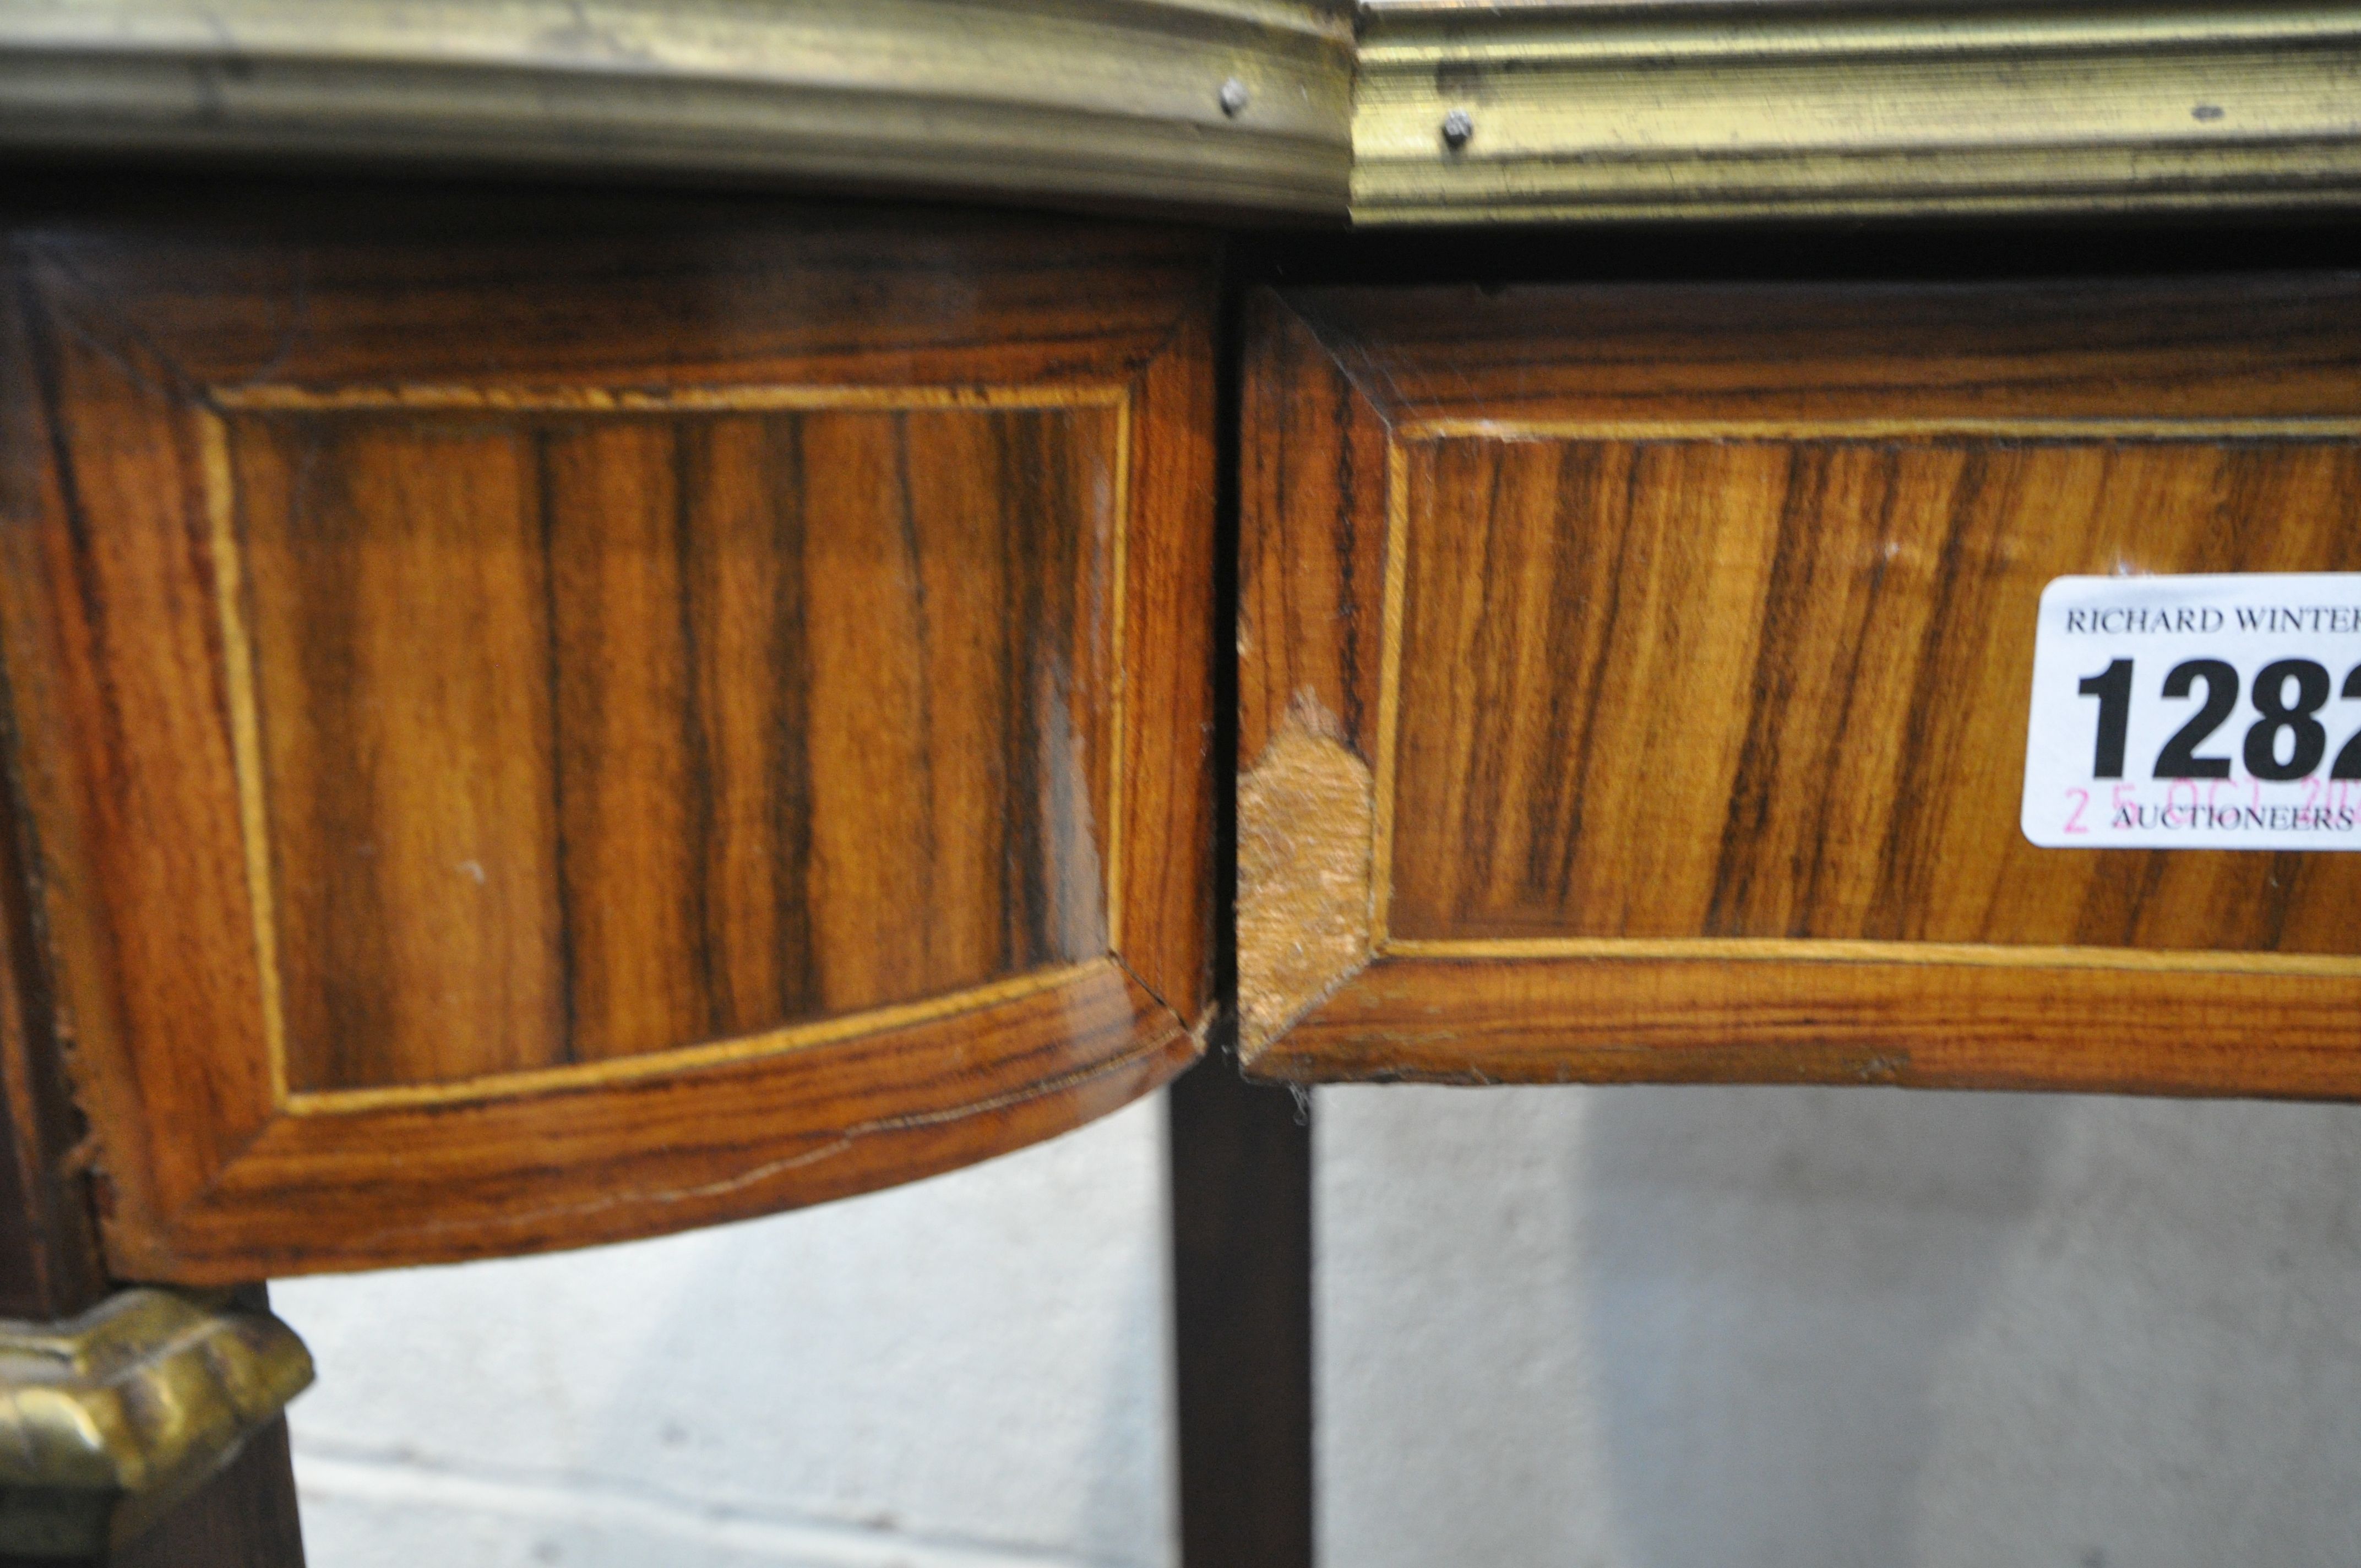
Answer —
1080 99
245 724
1845 951
109 1418
1674 109
1576 109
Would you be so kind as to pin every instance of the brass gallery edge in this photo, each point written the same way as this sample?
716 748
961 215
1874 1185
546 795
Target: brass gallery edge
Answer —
1531 112
1413 111
1201 102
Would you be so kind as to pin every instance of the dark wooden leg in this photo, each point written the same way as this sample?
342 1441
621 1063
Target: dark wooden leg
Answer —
1241 1166
1242 1309
244 1517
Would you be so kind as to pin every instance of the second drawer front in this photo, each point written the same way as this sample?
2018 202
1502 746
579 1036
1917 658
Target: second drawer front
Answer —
1636 683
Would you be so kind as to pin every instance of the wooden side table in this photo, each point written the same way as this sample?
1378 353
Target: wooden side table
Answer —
539 713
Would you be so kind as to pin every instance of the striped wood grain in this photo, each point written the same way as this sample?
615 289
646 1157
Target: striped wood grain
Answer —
1683 637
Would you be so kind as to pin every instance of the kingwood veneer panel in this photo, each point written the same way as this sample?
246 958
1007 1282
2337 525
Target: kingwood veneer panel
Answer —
609 721
1757 688
656 729
1635 682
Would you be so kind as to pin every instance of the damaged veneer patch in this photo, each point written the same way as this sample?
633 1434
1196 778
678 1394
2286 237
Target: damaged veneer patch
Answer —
1305 843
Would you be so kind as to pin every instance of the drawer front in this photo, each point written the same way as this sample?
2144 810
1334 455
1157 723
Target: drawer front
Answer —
1635 683
617 720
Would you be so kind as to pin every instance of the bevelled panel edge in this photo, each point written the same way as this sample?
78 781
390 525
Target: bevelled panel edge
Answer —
1214 103
1991 1018
1539 112
651 1155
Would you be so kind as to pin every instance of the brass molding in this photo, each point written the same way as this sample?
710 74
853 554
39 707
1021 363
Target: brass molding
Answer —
1681 108
1206 104
1439 111
109 1419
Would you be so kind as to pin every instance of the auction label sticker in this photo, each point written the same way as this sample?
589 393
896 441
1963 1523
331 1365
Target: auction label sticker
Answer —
2216 712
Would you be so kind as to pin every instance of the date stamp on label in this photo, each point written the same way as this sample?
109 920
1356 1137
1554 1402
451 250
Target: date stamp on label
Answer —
2213 712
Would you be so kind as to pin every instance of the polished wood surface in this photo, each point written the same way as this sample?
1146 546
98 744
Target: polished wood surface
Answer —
51 1267
653 730
1759 688
1668 650
549 721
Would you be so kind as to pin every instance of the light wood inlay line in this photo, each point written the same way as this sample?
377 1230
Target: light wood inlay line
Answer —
245 734
612 400
1119 572
713 1053
1878 429
1389 650
1843 950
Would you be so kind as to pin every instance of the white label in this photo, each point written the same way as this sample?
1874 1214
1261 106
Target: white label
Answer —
2196 713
